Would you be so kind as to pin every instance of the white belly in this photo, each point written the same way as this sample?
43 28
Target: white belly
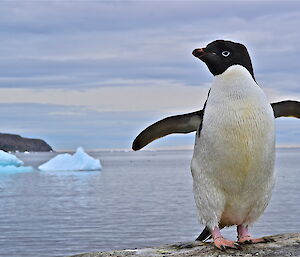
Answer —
233 159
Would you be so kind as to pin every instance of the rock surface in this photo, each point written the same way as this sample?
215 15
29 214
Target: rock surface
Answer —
11 142
284 245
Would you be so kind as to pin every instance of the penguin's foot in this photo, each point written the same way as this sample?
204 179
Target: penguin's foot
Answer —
251 240
222 244
245 238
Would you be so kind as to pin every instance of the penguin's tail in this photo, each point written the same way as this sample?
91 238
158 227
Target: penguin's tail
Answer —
205 234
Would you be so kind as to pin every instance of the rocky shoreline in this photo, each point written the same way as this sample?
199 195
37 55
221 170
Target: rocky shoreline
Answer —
284 245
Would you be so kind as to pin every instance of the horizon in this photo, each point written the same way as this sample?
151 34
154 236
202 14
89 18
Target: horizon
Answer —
96 74
180 148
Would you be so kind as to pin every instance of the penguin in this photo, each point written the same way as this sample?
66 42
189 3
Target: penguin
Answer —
234 152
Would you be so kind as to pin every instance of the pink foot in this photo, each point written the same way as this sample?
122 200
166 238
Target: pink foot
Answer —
245 238
221 243
251 240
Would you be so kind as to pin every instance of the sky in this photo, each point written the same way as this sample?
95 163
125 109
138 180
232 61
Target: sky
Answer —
96 73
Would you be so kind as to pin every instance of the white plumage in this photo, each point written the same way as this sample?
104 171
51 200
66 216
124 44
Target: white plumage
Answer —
233 160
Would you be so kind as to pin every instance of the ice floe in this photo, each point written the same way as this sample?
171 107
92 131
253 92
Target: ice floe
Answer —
80 160
10 163
15 169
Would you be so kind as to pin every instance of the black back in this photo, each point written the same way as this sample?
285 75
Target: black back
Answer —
221 54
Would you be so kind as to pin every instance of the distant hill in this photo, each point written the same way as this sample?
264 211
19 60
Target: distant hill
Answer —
11 142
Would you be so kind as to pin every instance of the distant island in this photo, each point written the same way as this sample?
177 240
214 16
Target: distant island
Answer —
12 142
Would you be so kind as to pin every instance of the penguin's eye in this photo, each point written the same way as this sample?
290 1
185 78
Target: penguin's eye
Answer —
225 53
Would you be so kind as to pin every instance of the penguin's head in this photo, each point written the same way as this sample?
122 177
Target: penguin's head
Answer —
219 55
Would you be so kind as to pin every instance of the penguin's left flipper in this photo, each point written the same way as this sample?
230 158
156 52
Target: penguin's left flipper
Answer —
286 109
184 123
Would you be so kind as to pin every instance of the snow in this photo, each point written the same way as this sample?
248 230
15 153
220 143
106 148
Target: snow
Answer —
11 164
80 160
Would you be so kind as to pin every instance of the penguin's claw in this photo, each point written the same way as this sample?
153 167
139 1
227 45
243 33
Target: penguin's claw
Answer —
238 246
251 240
222 244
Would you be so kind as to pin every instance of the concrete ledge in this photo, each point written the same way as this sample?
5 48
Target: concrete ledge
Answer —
284 245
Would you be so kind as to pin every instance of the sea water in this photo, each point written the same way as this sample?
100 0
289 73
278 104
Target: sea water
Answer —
139 199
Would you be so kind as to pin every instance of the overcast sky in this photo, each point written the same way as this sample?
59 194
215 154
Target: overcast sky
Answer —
95 73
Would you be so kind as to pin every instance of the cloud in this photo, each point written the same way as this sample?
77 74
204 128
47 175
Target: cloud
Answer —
139 95
62 129
161 96
91 58
66 127
87 43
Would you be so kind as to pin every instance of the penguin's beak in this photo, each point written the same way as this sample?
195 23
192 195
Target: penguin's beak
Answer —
199 53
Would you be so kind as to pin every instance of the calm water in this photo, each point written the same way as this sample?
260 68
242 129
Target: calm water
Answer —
138 199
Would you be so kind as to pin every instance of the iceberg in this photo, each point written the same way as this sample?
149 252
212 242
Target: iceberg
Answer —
7 159
14 169
11 164
80 160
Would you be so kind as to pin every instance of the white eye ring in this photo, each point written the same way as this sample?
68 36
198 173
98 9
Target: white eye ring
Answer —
225 53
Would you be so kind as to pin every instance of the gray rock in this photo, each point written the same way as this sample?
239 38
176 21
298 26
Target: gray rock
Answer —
284 245
11 142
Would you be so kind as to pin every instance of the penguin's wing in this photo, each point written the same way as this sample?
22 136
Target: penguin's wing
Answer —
191 122
184 123
286 109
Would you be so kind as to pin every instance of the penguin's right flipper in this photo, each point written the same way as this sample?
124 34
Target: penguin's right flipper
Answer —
286 109
184 123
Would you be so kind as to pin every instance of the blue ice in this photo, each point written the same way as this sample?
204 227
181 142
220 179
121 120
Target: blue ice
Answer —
80 160
9 163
